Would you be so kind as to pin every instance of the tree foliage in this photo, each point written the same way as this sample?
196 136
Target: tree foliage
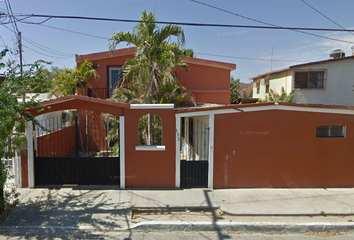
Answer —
69 80
13 114
235 88
150 77
273 96
156 58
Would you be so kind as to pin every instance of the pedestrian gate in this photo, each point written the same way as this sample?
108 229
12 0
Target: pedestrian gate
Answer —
194 153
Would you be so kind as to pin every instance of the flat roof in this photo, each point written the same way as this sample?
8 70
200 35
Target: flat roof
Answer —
272 72
322 61
303 64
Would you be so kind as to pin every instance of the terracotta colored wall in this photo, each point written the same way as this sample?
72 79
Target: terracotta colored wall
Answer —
59 143
24 168
102 70
150 169
206 78
198 77
279 149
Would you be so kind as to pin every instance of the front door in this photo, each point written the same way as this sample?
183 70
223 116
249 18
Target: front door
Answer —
194 152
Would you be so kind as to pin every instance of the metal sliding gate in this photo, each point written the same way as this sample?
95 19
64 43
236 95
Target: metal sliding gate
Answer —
194 153
62 156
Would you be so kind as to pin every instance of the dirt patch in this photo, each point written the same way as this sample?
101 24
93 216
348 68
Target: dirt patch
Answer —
323 234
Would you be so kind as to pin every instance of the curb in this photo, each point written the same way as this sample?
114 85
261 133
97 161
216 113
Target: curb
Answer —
184 226
249 227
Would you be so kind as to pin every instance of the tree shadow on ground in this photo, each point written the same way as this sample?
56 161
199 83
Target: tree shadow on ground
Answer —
58 213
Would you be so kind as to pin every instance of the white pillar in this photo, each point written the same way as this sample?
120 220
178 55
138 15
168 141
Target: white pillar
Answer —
122 151
30 156
211 151
178 150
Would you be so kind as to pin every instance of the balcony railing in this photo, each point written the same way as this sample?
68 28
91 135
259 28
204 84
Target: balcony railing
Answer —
102 93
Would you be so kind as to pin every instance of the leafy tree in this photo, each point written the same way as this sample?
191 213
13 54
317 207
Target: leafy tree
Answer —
13 114
69 80
64 84
235 88
172 92
273 96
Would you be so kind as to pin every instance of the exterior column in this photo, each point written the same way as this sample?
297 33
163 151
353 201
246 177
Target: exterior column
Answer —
178 150
122 151
211 151
30 155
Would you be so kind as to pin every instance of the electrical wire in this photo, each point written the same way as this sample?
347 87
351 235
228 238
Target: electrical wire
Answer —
47 49
300 30
313 8
42 53
248 58
11 16
71 31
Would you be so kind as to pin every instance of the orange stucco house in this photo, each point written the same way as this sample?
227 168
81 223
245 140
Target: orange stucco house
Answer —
266 145
208 80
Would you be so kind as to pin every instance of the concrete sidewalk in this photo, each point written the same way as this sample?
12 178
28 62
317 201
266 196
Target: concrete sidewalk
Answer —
111 209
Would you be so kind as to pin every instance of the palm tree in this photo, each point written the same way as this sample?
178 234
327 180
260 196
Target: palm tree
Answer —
84 73
70 80
155 60
64 84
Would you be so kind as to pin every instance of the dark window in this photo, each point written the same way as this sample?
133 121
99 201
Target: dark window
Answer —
334 131
310 79
258 86
267 88
115 75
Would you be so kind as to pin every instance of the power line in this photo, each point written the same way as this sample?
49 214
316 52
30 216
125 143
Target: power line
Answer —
248 58
273 25
11 16
71 31
325 16
208 54
191 24
43 53
47 49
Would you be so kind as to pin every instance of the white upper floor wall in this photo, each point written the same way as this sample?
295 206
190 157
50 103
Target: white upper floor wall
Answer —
329 82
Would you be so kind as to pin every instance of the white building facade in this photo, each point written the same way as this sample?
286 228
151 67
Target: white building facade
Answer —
329 82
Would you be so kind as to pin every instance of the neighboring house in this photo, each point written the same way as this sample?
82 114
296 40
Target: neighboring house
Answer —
246 90
328 82
208 80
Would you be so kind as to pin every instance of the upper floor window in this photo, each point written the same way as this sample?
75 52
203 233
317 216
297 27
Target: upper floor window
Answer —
114 75
310 79
257 85
330 131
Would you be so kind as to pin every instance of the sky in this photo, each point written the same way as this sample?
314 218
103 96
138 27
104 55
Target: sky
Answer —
254 51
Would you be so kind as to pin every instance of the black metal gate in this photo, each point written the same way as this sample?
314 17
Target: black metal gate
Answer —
194 153
77 170
62 155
